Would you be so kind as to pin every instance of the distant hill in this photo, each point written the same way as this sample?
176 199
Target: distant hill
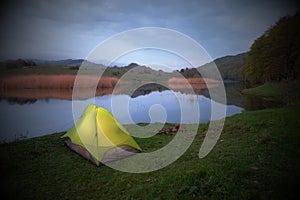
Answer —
66 62
230 67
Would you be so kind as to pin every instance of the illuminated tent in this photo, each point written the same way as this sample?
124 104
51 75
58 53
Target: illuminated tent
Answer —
99 137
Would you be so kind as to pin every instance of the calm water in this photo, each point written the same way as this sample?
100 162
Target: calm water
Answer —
54 115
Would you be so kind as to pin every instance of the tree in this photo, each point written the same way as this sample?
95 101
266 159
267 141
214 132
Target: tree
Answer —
275 55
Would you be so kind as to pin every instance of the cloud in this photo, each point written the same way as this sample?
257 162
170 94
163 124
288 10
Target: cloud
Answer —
70 29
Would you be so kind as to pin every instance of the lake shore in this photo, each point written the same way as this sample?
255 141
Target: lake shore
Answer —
255 157
288 91
267 90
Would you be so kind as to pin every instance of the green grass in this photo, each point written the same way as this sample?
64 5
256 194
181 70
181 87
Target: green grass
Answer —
256 157
267 90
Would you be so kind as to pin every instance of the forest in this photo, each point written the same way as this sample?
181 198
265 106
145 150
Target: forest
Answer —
274 56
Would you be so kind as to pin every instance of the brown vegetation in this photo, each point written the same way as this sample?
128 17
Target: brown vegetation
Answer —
195 83
56 86
55 82
178 127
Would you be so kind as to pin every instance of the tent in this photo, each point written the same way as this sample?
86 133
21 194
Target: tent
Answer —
99 137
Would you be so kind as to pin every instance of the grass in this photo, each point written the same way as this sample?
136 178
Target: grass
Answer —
256 157
281 93
267 90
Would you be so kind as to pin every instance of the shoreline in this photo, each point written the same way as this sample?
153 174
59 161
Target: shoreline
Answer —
23 138
258 149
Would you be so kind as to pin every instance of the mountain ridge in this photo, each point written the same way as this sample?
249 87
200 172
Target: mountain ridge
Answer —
230 66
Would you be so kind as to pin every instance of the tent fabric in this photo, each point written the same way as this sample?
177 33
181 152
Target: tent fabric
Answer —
99 137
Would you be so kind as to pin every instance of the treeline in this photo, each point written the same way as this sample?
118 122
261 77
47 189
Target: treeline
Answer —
16 64
275 55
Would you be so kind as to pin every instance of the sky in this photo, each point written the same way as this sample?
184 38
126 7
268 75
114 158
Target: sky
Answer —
71 29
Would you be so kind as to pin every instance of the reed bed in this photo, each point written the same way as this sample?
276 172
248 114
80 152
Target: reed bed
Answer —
196 83
56 82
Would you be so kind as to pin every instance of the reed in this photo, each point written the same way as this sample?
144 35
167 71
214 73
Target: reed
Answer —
56 82
196 83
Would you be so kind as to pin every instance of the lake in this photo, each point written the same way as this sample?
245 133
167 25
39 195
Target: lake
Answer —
24 118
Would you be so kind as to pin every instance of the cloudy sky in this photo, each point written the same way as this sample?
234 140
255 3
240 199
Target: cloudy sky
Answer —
62 29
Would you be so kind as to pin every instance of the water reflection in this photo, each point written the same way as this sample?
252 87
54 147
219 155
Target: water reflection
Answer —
34 94
248 102
55 115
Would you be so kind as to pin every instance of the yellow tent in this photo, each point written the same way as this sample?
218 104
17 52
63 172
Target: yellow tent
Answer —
99 137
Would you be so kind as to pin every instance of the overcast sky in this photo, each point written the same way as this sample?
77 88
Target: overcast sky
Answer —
62 29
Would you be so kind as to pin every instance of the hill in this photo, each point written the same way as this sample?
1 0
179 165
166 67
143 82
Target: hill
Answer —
66 62
230 67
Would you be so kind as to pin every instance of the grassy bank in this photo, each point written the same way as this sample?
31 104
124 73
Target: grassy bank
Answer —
286 92
257 156
266 90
